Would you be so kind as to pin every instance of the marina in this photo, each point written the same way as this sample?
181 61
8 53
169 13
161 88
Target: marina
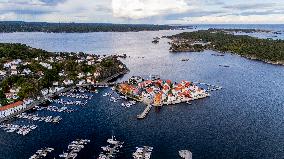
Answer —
74 95
19 129
70 102
54 109
36 117
74 148
110 151
42 153
143 152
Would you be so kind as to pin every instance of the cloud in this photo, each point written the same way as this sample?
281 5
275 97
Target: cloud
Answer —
139 9
250 6
144 11
232 19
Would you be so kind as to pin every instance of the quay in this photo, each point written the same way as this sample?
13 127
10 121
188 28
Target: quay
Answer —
145 112
42 100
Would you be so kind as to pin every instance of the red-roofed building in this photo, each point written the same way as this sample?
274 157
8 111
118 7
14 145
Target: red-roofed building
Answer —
13 105
169 82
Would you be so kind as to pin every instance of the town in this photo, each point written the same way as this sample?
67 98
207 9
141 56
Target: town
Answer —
29 75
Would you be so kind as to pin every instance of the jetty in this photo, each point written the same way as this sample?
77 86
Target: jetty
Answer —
145 112
111 150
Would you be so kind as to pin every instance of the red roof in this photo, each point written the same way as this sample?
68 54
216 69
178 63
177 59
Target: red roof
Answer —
169 82
13 105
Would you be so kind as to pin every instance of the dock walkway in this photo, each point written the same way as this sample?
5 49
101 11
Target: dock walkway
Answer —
145 112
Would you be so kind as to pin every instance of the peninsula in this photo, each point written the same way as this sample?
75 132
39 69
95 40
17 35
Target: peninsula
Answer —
267 50
30 73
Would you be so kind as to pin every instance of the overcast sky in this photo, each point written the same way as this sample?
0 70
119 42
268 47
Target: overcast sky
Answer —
144 11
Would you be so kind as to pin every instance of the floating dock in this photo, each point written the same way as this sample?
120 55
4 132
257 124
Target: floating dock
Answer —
145 112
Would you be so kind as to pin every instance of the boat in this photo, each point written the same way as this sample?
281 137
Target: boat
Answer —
112 140
143 152
184 59
185 154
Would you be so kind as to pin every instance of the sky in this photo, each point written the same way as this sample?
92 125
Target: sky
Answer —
145 11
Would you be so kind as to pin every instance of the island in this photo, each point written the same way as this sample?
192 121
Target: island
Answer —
28 74
267 50
21 26
159 92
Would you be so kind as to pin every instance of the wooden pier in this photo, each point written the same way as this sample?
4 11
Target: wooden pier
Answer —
145 112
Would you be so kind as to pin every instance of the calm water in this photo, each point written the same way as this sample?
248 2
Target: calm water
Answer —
243 120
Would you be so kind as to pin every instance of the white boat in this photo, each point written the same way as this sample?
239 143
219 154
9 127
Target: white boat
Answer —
185 154
112 140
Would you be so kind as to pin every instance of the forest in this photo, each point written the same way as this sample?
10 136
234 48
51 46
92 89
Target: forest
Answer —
268 50
20 26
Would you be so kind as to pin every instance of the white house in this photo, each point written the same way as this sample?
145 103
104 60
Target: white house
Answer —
68 82
81 75
44 92
2 73
27 71
91 62
81 82
55 83
46 65
97 74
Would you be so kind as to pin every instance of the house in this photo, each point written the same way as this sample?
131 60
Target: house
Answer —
26 63
55 83
68 82
44 92
81 75
2 73
97 74
92 62
46 65
158 99
89 58
90 80
27 71
80 83
61 73
135 80
51 60
121 66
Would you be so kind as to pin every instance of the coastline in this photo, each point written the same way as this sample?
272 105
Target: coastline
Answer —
264 50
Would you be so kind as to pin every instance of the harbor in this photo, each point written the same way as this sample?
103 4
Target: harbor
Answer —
170 128
74 148
111 151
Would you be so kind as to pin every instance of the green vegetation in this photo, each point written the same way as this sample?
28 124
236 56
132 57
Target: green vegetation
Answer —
267 50
19 26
